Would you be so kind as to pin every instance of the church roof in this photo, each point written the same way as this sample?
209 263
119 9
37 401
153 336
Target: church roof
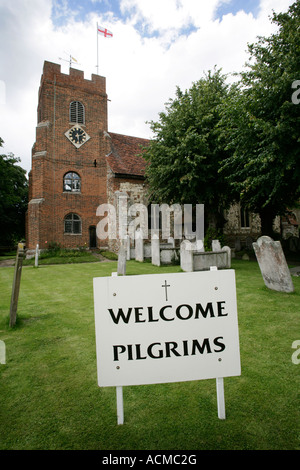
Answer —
125 157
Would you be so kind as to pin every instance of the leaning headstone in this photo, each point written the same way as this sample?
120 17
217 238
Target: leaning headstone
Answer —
139 246
215 245
155 250
186 256
273 265
122 255
16 285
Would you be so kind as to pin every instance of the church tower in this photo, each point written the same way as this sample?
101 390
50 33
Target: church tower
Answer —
68 180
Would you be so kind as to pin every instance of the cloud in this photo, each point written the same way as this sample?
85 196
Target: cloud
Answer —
157 45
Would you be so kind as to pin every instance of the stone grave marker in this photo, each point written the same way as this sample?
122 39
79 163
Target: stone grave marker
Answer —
155 250
122 255
139 245
215 245
273 265
186 256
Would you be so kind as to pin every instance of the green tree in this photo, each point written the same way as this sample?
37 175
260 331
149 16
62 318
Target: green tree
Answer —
185 152
13 199
261 124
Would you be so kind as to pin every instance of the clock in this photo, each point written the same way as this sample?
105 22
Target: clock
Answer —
77 136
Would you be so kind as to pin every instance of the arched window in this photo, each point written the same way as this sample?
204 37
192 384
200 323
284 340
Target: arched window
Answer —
72 224
72 182
77 112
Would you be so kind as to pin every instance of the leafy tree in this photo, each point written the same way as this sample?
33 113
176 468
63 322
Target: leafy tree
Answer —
13 199
185 152
261 124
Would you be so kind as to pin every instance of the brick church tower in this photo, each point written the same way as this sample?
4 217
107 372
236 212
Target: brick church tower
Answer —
75 162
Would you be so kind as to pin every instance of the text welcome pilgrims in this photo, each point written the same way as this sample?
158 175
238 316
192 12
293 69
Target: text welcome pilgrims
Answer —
167 313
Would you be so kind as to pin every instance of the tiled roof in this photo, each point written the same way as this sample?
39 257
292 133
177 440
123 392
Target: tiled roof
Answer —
124 158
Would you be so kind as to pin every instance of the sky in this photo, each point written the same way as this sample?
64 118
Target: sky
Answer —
156 46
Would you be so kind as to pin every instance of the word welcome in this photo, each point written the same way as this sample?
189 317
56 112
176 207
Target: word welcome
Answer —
182 312
137 219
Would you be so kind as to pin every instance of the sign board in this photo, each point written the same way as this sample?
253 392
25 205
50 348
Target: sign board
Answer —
166 328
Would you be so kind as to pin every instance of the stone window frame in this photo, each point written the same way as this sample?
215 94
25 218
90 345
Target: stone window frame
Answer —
73 221
75 188
245 216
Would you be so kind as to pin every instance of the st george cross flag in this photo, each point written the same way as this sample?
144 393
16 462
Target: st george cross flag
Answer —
105 32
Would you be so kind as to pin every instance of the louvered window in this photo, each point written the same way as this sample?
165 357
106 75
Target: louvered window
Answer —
77 112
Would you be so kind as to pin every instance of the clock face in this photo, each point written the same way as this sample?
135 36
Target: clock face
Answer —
77 136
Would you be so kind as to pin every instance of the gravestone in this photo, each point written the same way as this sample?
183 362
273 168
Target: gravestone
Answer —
122 255
204 261
228 251
215 245
186 256
128 247
139 246
155 250
273 265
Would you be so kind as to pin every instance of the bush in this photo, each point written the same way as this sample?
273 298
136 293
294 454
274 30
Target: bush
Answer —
213 234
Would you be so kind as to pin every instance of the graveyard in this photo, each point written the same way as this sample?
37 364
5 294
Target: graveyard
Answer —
49 393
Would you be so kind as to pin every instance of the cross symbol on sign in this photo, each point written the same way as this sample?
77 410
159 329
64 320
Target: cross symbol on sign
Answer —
165 285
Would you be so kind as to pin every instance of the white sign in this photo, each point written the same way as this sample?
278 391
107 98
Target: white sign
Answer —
166 328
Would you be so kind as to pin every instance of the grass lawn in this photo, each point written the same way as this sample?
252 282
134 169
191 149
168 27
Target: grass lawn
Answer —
49 398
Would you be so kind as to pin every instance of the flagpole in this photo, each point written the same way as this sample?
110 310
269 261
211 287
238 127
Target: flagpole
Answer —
97 51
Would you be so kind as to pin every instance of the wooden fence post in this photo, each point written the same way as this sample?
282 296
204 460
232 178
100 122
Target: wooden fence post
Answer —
16 285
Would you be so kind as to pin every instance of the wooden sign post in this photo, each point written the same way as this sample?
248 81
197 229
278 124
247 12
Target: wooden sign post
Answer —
16 285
